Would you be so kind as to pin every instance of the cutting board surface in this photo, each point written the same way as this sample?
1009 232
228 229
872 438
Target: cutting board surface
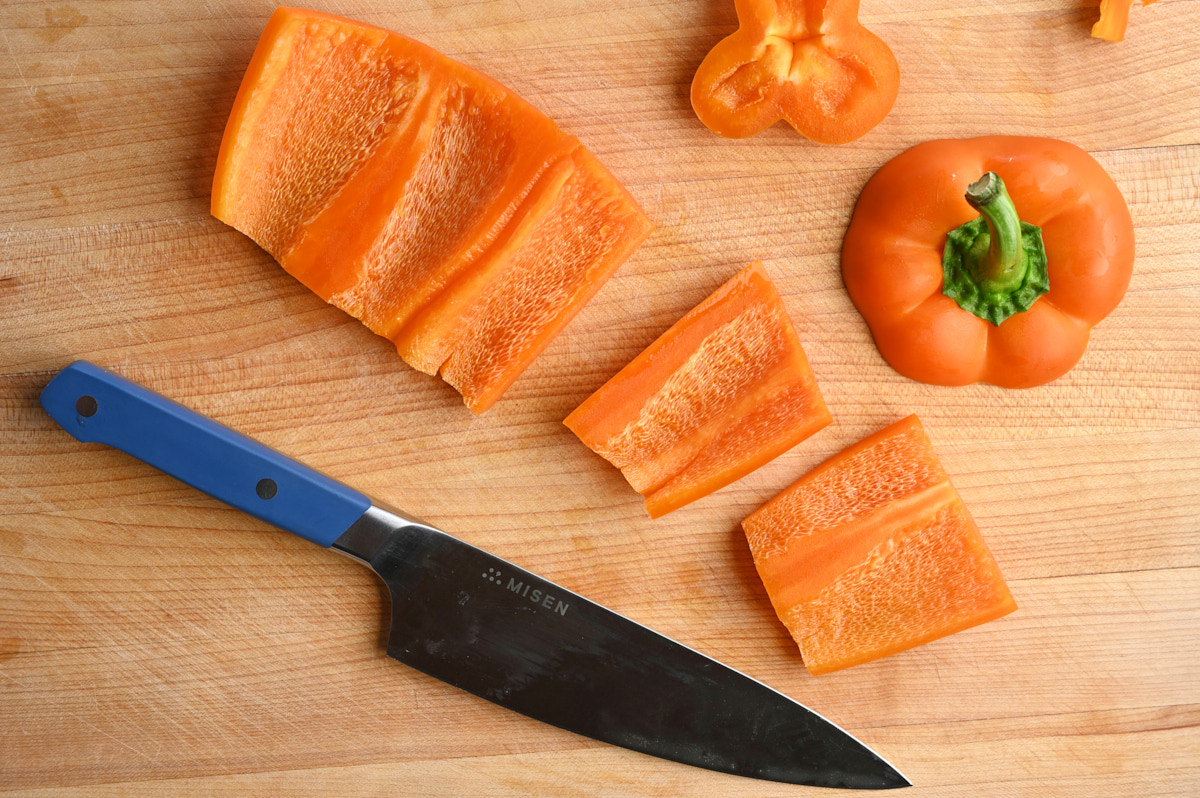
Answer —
153 641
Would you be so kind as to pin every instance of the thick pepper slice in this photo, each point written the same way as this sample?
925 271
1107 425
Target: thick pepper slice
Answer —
808 62
420 196
1114 18
957 288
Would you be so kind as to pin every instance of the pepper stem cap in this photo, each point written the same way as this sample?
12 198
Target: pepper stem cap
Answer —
994 266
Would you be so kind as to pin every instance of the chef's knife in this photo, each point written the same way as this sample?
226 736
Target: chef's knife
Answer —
481 623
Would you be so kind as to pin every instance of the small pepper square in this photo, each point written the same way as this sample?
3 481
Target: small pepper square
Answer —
873 552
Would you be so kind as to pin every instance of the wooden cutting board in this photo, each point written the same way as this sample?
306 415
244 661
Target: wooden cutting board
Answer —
155 642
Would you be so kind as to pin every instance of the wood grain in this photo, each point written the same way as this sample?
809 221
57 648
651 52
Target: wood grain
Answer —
153 641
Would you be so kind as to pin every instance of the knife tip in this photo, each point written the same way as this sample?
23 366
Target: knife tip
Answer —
894 779
884 776
881 775
855 766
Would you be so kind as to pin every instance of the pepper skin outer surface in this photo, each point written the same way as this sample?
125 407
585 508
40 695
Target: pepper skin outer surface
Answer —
1114 19
808 62
893 268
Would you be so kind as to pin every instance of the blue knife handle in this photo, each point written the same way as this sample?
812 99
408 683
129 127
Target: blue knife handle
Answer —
95 405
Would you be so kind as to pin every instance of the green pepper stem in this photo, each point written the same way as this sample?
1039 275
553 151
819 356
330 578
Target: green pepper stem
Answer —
994 265
1004 266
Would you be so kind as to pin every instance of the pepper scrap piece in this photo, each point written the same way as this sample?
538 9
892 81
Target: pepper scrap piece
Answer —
873 552
434 205
956 294
722 392
808 62
1114 19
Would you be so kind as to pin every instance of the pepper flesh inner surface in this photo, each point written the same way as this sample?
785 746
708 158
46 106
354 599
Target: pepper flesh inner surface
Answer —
873 552
284 174
400 186
723 391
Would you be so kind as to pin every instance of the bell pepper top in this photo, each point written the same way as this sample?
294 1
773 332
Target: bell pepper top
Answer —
994 265
925 228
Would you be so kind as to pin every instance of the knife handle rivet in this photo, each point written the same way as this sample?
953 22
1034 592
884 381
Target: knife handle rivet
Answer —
86 406
266 489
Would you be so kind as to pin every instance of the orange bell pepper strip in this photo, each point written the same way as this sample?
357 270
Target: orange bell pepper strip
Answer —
873 552
808 62
722 392
999 280
1114 19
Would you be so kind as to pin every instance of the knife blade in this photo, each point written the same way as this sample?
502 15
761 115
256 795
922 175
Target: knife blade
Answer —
482 623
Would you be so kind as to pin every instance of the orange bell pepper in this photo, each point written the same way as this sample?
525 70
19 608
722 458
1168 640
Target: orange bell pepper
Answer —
1114 18
420 196
722 392
957 289
808 62
873 552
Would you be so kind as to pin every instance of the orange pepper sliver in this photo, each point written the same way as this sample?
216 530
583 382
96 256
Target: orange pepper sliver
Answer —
1114 19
